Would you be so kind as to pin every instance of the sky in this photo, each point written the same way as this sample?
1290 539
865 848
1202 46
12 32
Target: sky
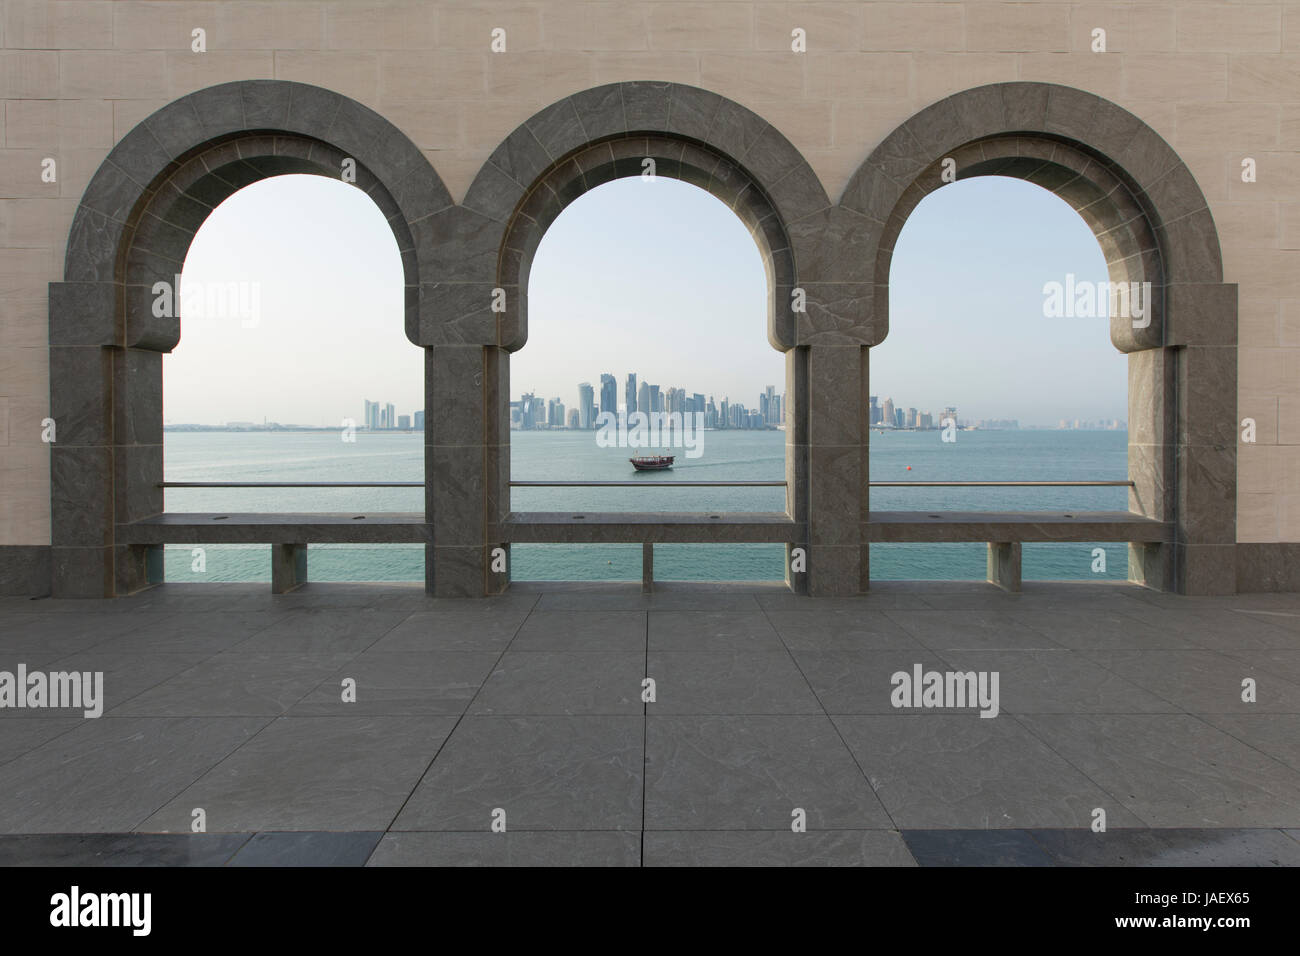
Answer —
653 277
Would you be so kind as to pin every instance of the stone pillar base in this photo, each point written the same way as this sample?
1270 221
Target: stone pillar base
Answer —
1004 565
288 567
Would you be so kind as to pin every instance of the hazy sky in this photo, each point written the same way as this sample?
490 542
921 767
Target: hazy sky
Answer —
657 278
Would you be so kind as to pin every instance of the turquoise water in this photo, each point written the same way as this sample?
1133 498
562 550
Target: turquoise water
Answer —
727 456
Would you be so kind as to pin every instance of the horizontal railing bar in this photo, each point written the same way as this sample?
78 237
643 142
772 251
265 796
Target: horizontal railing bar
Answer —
643 484
1001 484
290 484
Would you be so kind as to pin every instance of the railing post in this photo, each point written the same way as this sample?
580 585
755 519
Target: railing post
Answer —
647 567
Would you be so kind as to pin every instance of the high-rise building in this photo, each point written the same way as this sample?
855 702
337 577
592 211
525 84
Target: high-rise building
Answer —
419 421
575 420
390 415
371 420
608 394
949 412
913 418
586 405
404 422
887 413
778 413
656 400
643 398
768 406
629 393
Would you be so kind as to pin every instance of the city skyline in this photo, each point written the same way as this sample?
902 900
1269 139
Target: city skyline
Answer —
690 306
532 412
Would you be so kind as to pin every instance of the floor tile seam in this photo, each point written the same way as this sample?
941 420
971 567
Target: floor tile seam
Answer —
459 719
1077 769
211 767
1245 743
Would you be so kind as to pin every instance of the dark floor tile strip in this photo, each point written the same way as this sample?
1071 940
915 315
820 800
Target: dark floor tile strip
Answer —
975 848
308 848
120 849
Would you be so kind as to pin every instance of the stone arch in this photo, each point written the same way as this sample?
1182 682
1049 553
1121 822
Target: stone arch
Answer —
133 227
487 243
1154 225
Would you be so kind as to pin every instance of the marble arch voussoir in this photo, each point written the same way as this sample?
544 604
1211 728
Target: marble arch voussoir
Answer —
603 133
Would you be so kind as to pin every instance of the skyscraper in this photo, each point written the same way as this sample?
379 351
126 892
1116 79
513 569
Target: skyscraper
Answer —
390 415
887 413
608 394
419 421
656 400
629 393
586 405
768 407
643 398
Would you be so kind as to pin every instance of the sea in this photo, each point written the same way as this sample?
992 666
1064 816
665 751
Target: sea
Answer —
735 455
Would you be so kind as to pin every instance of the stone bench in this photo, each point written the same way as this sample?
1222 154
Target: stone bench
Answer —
288 534
1006 531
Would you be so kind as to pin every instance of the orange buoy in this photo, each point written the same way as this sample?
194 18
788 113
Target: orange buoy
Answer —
909 467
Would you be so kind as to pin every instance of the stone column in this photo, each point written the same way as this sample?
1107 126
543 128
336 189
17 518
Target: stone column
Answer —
836 458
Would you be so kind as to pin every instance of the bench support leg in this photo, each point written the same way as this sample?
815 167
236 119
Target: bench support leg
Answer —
1004 564
647 567
288 567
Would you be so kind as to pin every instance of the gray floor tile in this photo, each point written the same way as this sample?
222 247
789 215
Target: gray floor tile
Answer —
1277 663
512 848
1277 735
234 685
752 773
712 631
776 848
55 634
563 682
453 629
1201 682
729 682
1175 770
861 682
124 676
119 849
195 632
1182 847
970 772
582 631
1100 629
546 773
110 774
974 628
975 848
1049 681
324 631
313 773
1216 627
840 630
19 736
435 682
310 848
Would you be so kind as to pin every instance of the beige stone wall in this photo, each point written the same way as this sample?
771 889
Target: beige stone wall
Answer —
1219 80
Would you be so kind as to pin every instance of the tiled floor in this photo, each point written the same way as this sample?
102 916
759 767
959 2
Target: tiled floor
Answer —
767 710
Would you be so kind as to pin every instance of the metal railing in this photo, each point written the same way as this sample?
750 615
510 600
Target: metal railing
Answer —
646 484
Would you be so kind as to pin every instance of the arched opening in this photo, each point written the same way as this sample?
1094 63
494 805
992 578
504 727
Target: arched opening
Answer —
293 367
647 305
1155 231
1000 312
128 241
